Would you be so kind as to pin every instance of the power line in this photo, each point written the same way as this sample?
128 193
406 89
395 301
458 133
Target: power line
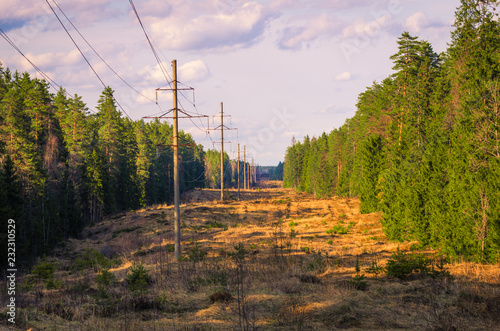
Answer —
40 71
44 75
100 57
162 68
86 60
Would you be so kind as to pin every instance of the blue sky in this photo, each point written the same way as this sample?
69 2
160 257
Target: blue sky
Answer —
282 68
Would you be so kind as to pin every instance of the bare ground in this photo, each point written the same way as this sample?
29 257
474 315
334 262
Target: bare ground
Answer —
294 272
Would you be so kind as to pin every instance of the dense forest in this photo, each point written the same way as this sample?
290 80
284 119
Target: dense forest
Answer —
423 147
63 167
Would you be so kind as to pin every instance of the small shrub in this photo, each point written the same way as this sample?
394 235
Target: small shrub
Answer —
359 283
215 224
45 270
339 229
374 269
306 250
403 265
92 258
239 253
293 233
292 224
138 278
196 254
124 230
330 242
318 264
105 279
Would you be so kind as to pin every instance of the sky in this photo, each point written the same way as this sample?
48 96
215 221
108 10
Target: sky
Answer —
282 68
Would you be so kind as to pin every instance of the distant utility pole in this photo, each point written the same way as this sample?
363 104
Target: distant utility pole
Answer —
245 167
253 171
175 145
177 212
238 172
221 152
222 127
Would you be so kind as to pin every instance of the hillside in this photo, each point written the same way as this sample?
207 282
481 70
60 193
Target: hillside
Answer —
304 263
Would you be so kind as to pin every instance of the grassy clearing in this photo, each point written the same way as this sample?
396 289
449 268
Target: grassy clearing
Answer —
270 261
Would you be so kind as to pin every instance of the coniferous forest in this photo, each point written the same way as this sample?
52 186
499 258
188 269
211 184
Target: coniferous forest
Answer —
423 147
64 167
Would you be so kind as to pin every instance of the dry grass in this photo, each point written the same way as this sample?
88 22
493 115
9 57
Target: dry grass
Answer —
295 274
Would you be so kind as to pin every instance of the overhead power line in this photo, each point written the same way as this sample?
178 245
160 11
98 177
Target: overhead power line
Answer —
44 75
83 55
162 68
100 57
40 71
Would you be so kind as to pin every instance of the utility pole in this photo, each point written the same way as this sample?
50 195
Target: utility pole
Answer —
175 144
238 172
222 128
245 167
177 218
253 171
221 152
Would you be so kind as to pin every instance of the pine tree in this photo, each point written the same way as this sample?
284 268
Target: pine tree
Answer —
372 160
110 141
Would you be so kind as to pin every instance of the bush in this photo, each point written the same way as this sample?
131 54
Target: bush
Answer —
45 271
339 229
138 278
403 265
318 263
359 283
105 279
92 258
196 254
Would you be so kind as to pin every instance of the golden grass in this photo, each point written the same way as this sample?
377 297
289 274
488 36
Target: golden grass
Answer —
295 275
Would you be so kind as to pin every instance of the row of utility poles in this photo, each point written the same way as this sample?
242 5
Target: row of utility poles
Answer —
249 173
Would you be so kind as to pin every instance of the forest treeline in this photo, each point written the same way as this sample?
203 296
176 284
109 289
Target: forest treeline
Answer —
63 167
423 147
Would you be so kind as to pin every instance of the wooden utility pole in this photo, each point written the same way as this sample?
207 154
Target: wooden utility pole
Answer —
177 218
245 167
253 171
175 144
222 128
238 172
221 152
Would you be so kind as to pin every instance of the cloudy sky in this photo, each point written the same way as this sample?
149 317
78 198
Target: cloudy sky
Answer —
283 68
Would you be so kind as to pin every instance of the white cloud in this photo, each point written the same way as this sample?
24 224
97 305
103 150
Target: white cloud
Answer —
420 23
194 71
416 22
48 61
362 27
297 36
189 29
343 76
80 12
